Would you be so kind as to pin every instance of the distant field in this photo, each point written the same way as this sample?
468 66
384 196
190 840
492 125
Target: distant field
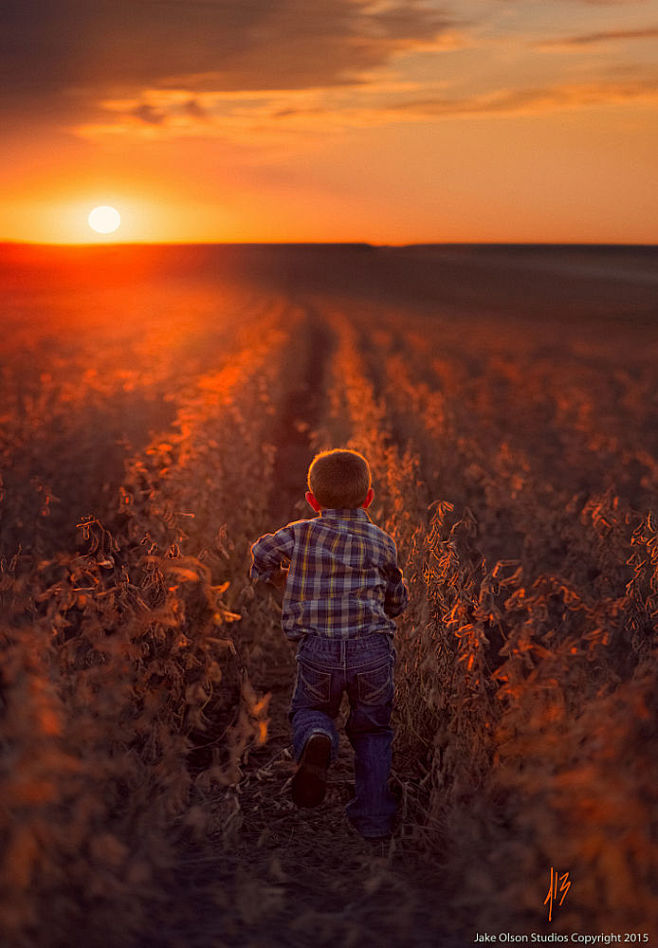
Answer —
158 410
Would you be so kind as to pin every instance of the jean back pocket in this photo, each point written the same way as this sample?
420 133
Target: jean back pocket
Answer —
315 683
376 685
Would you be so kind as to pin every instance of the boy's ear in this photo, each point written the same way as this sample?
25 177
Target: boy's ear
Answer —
311 499
370 496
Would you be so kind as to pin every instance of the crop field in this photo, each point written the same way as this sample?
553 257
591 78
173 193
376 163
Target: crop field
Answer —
159 408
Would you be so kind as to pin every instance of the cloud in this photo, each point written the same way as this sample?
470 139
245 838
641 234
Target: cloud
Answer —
194 110
148 115
68 54
308 117
605 36
534 100
267 71
611 3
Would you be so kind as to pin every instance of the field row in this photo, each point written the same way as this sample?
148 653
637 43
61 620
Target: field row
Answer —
517 473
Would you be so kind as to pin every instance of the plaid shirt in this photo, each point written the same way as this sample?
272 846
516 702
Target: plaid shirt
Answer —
343 578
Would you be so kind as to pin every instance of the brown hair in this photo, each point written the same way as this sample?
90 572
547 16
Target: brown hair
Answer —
339 478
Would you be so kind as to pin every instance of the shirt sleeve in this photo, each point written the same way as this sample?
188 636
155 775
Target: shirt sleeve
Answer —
270 552
397 593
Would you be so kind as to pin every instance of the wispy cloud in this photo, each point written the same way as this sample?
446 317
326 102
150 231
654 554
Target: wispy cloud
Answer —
77 51
262 73
309 116
612 3
537 99
604 36
148 115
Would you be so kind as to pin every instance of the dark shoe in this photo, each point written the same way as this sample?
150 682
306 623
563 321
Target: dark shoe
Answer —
377 846
309 784
381 838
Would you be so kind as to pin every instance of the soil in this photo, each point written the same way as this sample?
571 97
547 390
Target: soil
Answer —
268 873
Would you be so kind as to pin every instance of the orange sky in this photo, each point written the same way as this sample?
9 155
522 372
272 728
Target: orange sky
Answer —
390 122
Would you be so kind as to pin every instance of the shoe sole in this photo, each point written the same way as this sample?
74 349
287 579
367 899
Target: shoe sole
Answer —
309 784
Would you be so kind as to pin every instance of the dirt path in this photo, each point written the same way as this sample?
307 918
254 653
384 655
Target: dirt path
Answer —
269 874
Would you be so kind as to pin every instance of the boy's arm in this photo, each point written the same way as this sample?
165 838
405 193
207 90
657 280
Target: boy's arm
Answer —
397 593
270 555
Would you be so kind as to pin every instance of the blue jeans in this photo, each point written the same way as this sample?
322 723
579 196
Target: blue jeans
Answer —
363 667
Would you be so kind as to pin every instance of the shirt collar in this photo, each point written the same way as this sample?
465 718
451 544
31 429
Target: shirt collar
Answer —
345 513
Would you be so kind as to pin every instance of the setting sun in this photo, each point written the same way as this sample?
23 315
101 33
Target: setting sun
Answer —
104 220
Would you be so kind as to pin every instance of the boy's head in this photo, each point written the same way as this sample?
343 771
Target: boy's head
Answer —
339 478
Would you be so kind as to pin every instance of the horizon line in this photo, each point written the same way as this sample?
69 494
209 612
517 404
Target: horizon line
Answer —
8 242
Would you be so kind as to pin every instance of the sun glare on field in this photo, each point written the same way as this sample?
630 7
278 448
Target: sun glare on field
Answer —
104 219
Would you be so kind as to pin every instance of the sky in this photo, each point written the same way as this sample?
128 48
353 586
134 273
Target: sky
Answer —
397 122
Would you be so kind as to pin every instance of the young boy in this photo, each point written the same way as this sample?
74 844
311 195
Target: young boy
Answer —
343 588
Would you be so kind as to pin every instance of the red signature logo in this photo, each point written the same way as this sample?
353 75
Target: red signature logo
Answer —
553 891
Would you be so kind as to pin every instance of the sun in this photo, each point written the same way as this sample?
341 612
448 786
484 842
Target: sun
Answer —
104 219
